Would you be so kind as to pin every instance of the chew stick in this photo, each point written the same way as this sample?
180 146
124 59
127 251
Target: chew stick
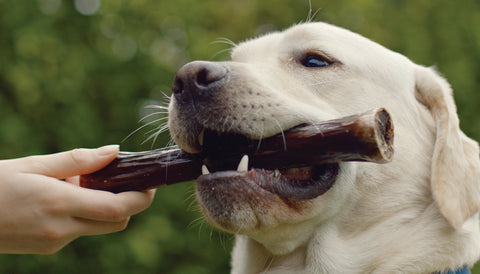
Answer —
363 137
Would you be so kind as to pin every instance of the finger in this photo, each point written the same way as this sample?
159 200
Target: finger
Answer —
87 227
66 230
74 180
70 163
105 206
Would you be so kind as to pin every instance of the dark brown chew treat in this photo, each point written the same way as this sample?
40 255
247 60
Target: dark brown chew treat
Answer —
144 170
363 137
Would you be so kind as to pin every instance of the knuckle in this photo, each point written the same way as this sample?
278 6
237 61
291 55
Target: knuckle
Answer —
52 231
52 235
117 213
52 240
122 225
79 156
49 250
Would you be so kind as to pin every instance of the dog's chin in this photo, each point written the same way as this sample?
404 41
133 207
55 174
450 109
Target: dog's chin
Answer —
245 201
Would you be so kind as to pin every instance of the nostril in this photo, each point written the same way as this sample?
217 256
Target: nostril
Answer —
202 78
208 75
178 89
177 86
205 77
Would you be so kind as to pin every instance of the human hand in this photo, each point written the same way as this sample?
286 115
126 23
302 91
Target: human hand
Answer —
41 213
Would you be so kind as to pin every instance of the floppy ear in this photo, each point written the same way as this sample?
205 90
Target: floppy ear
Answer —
455 170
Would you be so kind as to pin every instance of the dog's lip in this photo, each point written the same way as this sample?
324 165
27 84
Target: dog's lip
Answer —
294 184
224 163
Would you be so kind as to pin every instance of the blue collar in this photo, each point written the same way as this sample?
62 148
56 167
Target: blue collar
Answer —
462 270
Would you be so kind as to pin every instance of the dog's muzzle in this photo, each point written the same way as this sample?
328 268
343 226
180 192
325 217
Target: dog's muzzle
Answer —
200 92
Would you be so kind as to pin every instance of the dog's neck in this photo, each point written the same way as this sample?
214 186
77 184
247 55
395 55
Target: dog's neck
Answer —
252 257
331 251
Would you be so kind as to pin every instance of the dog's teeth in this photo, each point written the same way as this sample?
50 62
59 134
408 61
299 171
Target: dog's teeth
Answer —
243 165
277 173
205 170
201 137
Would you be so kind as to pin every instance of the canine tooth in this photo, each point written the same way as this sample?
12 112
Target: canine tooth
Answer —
205 170
277 173
201 137
243 165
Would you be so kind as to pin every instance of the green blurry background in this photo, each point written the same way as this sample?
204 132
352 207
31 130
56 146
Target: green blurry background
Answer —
80 73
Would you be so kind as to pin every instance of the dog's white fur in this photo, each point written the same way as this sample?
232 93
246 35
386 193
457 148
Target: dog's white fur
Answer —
417 214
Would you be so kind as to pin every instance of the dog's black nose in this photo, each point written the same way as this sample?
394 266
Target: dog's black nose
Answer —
196 79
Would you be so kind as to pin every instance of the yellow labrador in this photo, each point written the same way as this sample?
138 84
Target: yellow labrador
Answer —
417 214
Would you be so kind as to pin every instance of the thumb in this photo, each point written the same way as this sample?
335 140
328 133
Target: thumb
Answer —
70 163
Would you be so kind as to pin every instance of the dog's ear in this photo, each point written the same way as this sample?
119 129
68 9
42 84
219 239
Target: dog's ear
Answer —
455 170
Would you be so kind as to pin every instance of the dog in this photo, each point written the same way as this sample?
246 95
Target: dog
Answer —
416 214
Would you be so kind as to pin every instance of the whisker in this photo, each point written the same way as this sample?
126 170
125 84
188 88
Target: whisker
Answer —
192 205
283 134
142 127
198 221
167 98
269 263
260 139
156 107
224 40
153 114
311 16
160 129
154 121
154 136
240 228
170 142
220 52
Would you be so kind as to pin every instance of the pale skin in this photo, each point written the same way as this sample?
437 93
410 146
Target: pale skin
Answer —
42 208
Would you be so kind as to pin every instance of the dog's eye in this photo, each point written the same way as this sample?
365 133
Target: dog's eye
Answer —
315 61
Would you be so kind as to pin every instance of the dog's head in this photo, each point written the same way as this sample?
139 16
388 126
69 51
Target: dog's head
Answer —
309 73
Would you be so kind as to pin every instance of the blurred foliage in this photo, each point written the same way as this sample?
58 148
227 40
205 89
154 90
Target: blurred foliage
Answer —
80 73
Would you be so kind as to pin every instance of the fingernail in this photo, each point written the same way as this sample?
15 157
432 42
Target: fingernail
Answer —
107 150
